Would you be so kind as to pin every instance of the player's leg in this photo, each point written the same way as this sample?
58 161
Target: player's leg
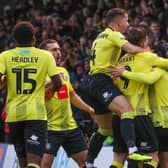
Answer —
163 159
54 141
118 160
47 160
162 135
106 93
146 140
119 147
35 140
17 138
120 105
103 119
80 157
33 160
75 146
104 130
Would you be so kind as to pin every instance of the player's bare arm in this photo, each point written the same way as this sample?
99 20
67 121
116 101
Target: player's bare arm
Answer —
2 81
130 48
79 103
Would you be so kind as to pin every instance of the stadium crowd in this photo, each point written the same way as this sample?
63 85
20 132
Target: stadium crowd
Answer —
75 25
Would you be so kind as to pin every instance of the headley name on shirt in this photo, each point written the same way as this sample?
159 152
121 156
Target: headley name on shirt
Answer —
24 59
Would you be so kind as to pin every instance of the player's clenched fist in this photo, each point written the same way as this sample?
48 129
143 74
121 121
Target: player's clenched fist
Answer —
49 90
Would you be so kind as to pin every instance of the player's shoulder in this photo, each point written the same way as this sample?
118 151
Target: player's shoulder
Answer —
8 52
147 55
62 69
115 35
42 51
113 32
106 33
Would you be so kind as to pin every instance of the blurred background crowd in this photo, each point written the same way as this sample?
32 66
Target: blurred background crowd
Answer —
75 24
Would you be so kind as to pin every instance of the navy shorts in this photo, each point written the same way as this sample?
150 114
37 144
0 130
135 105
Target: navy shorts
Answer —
146 139
98 90
28 136
162 136
71 140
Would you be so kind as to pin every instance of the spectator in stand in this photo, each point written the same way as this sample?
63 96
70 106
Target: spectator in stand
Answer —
4 39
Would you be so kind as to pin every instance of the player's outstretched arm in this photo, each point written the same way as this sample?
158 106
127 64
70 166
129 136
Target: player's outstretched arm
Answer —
148 78
130 48
79 103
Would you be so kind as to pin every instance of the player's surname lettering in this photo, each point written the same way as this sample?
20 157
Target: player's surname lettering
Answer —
129 58
25 59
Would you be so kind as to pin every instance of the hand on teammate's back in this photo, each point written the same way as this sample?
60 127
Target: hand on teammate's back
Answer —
117 71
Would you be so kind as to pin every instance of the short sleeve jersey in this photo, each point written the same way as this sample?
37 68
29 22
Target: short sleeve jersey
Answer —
159 102
59 112
137 92
106 50
26 69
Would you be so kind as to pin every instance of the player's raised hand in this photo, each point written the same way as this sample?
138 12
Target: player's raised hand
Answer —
117 71
48 90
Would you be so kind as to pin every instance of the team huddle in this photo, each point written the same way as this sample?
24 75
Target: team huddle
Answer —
125 94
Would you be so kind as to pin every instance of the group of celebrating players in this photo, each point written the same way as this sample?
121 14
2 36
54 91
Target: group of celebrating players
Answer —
125 95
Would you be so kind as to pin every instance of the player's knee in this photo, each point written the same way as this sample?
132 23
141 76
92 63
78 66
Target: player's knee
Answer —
81 162
105 132
33 165
126 108
80 158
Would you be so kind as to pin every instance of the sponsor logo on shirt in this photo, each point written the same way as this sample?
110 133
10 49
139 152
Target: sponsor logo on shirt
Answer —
62 93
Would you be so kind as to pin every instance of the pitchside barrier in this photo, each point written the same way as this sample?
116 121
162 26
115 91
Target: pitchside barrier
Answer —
103 160
8 158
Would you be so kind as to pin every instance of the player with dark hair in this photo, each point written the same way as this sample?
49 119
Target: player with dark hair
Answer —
137 93
62 128
26 68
